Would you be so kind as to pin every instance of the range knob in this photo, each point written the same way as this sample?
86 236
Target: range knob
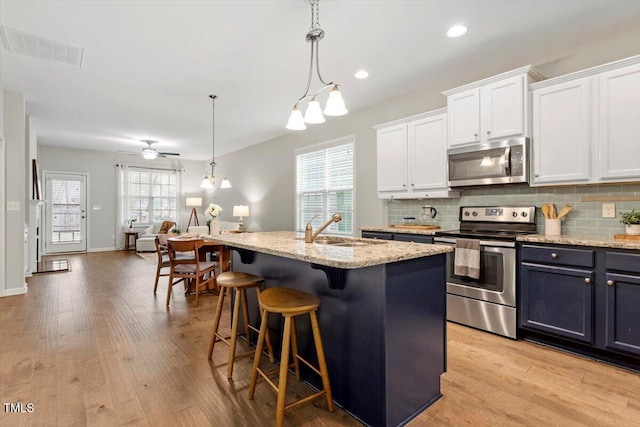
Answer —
514 214
466 214
474 213
524 214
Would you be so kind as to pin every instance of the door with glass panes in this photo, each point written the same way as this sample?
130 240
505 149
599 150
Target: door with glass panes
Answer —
65 212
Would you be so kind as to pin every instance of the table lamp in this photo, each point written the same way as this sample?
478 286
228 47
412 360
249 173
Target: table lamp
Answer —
241 210
193 203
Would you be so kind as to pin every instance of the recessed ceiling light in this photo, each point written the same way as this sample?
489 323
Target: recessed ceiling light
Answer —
362 74
456 31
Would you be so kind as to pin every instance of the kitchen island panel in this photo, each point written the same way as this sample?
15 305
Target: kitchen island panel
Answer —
383 333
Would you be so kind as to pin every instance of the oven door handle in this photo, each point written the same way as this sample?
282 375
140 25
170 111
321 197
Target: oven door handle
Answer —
451 241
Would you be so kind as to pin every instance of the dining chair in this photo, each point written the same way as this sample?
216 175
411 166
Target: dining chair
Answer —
186 265
163 259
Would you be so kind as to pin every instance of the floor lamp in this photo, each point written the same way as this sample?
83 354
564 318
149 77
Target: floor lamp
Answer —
193 203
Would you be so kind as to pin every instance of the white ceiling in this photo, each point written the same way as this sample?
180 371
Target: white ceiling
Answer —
149 66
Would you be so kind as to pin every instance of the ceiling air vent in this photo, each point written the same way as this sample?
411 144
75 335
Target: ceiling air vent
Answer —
41 47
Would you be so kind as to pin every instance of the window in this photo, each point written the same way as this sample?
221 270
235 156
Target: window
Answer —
324 185
65 211
153 195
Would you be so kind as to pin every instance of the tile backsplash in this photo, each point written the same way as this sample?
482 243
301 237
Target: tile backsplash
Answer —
584 219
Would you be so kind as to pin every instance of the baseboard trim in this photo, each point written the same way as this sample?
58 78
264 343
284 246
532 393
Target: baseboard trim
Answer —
16 291
112 248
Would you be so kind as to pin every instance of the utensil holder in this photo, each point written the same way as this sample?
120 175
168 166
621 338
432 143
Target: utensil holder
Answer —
552 227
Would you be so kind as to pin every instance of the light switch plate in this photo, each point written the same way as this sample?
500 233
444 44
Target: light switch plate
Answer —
13 206
608 210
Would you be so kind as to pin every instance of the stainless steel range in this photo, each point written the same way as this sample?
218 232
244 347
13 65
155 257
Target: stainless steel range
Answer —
488 302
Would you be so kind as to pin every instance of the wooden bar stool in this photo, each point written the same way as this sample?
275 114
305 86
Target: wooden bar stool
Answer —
240 282
290 303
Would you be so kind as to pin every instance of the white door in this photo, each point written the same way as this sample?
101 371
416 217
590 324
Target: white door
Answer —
428 153
503 109
464 117
392 159
562 133
619 123
65 212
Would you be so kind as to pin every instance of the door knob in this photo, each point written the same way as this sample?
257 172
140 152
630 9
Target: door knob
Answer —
610 282
587 280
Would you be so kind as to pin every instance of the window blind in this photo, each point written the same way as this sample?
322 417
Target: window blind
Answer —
324 185
153 195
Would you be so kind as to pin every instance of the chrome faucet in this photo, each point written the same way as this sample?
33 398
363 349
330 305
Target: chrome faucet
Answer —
309 235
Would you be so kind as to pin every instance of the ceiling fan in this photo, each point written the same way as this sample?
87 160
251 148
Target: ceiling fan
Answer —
151 153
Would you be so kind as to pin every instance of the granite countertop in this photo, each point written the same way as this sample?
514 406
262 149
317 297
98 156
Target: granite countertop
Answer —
577 240
387 229
288 244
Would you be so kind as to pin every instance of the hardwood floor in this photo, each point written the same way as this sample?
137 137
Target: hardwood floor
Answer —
95 347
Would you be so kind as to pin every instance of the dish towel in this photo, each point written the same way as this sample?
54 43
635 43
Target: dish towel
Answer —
467 258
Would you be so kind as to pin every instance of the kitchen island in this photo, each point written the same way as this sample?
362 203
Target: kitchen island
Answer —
382 315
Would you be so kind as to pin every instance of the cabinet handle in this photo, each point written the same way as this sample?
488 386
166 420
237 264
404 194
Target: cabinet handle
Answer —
475 135
488 132
536 175
587 280
412 184
554 255
610 282
404 185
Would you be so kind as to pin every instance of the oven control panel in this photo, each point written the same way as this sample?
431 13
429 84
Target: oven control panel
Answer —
518 214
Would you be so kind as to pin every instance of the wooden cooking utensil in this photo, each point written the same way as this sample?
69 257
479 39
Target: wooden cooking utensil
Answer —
545 210
565 210
552 211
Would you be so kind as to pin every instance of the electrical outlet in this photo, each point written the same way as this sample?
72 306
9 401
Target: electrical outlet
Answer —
608 210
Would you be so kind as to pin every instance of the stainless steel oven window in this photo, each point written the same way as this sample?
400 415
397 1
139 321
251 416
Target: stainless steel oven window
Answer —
491 271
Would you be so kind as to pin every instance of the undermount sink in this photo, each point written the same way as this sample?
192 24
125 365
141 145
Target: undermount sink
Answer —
343 241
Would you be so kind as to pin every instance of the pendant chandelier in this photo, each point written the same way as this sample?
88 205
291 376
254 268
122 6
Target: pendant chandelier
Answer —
209 180
335 104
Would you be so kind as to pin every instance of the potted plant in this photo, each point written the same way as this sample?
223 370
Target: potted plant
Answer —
631 220
131 221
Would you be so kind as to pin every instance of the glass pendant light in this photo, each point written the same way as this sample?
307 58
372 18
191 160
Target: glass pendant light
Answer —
335 104
209 180
314 113
296 122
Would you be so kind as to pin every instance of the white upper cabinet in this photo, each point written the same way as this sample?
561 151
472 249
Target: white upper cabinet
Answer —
619 123
503 108
561 133
392 159
586 126
428 153
464 118
412 157
491 109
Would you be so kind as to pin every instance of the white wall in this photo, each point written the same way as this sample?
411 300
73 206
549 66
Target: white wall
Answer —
263 175
15 176
100 167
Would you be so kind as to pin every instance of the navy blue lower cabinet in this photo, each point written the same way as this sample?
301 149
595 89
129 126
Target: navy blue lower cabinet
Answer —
415 238
557 300
377 235
623 313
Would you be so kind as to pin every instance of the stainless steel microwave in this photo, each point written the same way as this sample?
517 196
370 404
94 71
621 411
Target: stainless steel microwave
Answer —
501 162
